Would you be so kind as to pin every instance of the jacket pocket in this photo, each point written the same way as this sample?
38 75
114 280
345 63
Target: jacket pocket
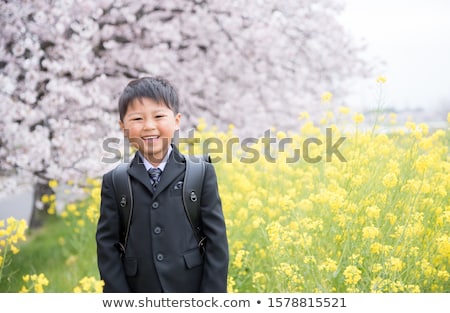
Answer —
177 189
193 258
130 266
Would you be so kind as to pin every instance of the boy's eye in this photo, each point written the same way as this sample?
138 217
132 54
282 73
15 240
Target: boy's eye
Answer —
159 116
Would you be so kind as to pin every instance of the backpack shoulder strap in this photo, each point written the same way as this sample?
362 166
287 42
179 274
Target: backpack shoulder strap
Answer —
192 191
124 196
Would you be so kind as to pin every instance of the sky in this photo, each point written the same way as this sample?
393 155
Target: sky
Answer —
412 37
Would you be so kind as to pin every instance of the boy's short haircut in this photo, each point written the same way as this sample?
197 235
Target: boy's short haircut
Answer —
155 88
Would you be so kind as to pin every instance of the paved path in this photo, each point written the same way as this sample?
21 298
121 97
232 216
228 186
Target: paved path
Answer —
17 205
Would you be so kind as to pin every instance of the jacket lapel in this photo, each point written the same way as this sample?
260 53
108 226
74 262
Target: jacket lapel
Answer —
174 167
137 171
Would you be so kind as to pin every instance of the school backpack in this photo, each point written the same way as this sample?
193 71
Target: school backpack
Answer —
192 190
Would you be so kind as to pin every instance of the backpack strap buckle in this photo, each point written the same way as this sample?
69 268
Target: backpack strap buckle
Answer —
193 196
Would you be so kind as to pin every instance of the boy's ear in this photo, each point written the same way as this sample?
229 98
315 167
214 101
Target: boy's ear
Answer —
177 121
122 127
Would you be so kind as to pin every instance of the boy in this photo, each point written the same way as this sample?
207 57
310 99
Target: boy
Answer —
162 253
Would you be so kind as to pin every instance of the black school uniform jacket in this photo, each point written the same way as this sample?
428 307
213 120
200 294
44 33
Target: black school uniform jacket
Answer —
162 253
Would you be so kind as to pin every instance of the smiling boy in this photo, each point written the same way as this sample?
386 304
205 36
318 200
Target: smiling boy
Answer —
162 253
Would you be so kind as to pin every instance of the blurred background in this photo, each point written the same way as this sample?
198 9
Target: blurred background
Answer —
253 64
407 40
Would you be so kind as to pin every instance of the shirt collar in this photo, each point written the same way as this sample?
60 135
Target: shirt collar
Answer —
161 165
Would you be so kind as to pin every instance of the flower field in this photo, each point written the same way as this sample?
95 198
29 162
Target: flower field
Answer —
328 208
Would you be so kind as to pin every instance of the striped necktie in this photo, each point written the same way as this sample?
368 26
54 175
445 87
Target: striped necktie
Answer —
155 175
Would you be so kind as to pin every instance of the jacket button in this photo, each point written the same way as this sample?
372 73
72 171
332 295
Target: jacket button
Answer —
157 230
155 205
159 257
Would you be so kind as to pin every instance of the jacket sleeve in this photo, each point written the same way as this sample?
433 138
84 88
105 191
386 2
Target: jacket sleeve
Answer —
215 270
107 235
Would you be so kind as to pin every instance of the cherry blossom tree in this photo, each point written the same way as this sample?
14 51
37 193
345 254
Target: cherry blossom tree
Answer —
255 64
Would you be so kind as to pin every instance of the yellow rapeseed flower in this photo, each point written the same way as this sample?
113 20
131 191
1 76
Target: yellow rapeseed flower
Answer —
381 79
240 258
89 284
443 275
305 116
201 126
53 183
424 128
344 110
71 207
373 211
92 213
352 275
412 185
393 118
390 180
231 283
410 125
45 199
309 259
305 205
254 204
444 246
423 162
377 267
329 265
370 232
38 288
14 249
427 269
42 280
326 97
358 118
287 269
34 282
395 264
257 222
259 281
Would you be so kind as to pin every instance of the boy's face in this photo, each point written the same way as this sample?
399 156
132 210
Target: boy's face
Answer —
150 127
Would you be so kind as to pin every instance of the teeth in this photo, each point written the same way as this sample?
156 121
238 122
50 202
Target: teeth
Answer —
151 137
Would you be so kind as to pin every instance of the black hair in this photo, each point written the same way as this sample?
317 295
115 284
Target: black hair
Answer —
155 88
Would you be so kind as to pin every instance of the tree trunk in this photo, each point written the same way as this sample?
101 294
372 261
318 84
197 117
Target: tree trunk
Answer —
39 211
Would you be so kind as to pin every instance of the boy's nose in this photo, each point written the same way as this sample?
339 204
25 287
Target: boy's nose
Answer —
149 124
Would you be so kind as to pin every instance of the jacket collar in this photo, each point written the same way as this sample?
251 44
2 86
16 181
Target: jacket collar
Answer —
174 167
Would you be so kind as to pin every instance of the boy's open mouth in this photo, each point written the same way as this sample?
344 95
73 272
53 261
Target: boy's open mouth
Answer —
150 139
